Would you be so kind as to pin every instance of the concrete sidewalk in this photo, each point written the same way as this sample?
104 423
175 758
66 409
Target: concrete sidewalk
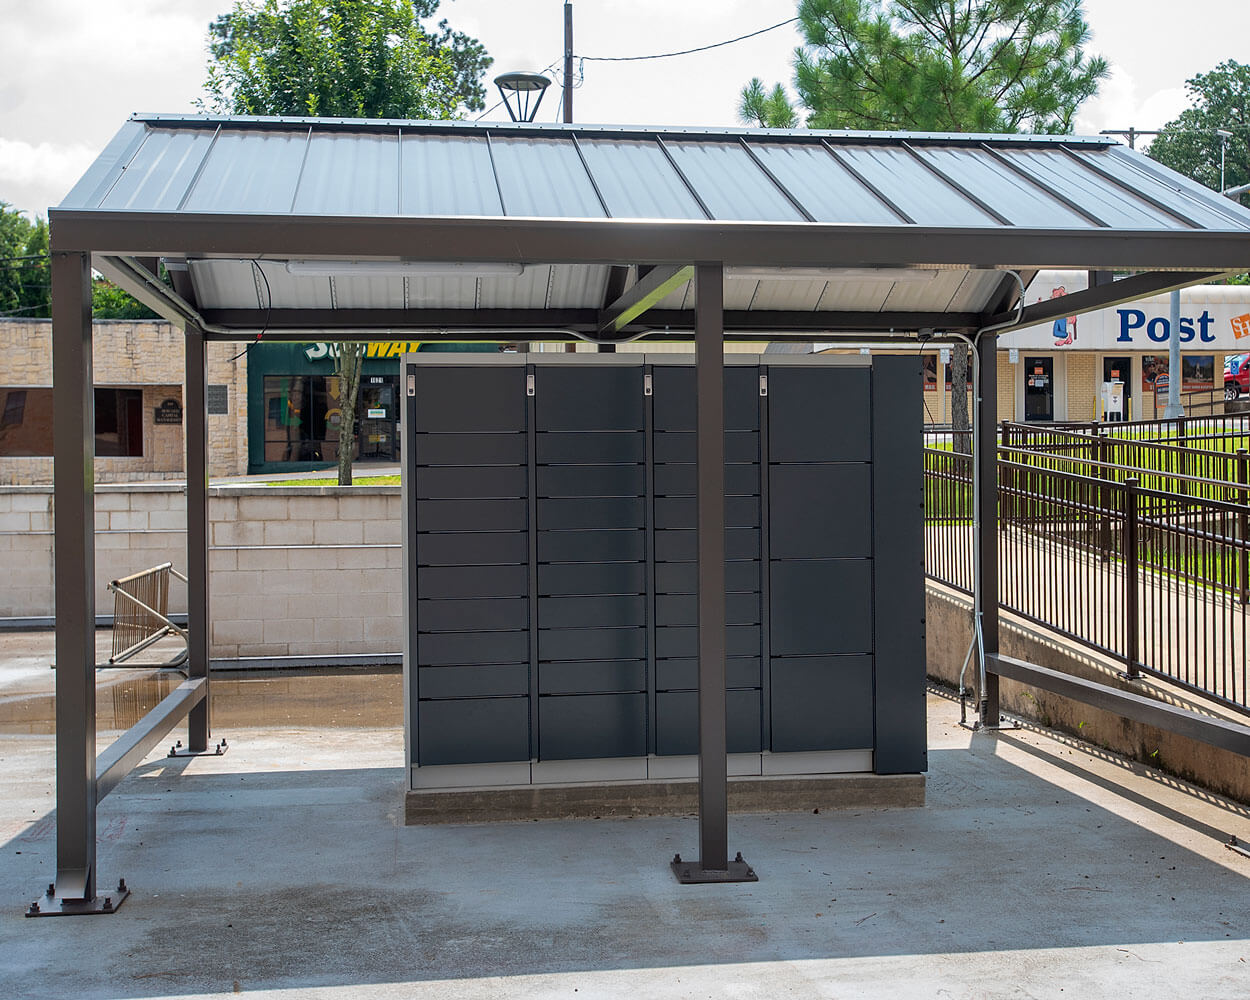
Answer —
1039 868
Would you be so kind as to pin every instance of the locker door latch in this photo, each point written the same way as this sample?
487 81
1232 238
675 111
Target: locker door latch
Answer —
412 385
646 385
529 385
763 385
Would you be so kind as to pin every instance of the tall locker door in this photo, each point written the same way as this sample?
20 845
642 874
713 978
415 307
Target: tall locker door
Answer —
591 486
820 566
676 618
471 682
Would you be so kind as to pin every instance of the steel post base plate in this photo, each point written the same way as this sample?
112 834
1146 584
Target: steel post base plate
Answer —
178 750
693 873
49 906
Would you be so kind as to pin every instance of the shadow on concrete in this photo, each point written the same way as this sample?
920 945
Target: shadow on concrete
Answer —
252 870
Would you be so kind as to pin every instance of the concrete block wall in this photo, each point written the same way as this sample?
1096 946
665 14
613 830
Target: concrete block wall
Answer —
294 571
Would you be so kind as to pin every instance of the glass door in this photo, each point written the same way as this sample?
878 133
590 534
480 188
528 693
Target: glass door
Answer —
1039 388
1118 370
378 440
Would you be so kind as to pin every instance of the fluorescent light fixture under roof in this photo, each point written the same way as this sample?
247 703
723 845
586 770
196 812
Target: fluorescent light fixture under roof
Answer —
404 268
858 274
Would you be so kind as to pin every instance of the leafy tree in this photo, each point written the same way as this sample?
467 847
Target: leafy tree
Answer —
24 271
1191 144
342 58
110 302
937 65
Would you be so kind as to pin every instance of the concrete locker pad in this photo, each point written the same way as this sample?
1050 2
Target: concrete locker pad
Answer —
821 703
590 447
819 414
473 731
475 548
575 727
742 576
472 647
468 449
479 614
741 447
589 579
683 674
470 482
673 398
592 677
592 481
474 681
592 643
591 612
820 511
470 399
821 606
586 398
603 545
473 581
471 515
677 722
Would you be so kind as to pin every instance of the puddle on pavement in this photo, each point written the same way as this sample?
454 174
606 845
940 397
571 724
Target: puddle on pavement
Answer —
339 697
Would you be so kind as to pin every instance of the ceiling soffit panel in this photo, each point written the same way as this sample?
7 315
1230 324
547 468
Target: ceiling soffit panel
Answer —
356 291
349 173
577 287
543 178
447 175
637 180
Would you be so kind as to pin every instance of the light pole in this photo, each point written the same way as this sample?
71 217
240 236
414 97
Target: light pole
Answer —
1224 137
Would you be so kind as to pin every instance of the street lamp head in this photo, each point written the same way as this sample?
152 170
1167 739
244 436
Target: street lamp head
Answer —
522 93
1223 134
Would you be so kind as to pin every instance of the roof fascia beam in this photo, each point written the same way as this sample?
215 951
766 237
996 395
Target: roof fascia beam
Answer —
650 289
1130 289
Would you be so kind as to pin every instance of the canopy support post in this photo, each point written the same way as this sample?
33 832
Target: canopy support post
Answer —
986 457
196 417
713 864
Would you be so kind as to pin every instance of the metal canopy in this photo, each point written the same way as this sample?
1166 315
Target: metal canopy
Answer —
352 230
820 231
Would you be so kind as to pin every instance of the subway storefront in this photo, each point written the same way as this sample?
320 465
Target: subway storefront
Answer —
295 407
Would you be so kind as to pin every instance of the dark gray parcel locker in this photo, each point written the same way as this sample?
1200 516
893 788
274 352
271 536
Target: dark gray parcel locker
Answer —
549 549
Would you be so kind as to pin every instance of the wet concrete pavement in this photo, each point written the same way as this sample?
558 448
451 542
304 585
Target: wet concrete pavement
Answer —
1039 868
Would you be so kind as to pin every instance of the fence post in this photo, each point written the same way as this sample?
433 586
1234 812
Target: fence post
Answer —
1009 503
1105 495
1182 439
1131 570
1243 477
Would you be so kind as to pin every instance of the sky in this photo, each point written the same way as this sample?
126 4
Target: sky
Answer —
72 71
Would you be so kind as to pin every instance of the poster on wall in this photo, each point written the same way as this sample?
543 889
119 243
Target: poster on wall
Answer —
1197 372
930 373
1152 366
969 373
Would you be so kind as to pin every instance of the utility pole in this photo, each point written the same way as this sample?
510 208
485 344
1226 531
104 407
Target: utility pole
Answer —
568 61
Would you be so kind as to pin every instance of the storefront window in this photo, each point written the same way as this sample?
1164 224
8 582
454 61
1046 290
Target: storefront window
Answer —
26 423
302 416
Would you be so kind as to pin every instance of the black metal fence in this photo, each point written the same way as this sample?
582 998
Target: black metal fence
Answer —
1148 567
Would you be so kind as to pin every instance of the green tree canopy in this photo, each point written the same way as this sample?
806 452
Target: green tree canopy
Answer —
24 272
936 65
341 58
1191 144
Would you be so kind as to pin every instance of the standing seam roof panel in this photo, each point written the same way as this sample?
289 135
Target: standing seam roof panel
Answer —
920 193
348 173
543 178
447 175
730 183
822 185
160 172
637 181
249 172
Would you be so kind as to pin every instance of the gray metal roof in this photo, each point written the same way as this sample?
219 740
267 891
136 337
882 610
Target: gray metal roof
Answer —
577 204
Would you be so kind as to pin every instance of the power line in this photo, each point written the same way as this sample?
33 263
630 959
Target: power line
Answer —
686 52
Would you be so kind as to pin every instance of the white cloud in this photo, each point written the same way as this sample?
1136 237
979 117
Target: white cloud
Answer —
32 177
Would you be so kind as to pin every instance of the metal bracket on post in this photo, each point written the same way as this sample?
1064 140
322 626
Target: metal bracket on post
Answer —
50 906
1235 845
178 750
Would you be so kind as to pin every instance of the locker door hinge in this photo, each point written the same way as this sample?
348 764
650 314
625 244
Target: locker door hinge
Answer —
412 385
763 385
529 385
646 385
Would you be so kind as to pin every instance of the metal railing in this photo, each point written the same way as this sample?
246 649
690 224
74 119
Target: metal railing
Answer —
1158 578
141 612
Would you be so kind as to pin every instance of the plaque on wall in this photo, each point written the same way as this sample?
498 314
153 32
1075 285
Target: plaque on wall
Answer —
218 399
169 412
